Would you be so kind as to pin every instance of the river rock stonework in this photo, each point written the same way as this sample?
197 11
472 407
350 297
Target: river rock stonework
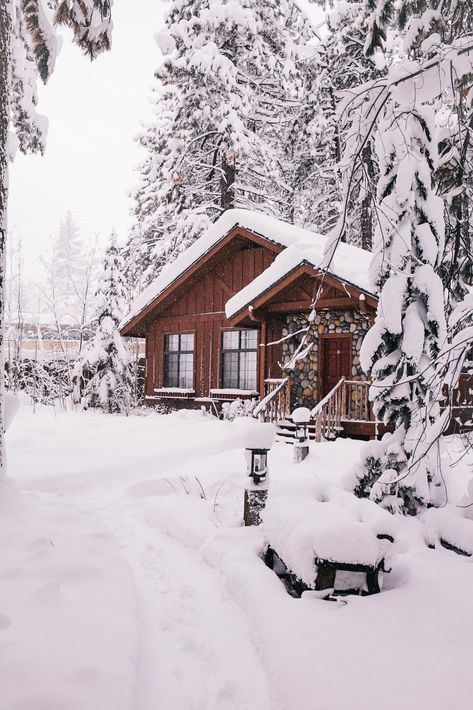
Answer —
304 374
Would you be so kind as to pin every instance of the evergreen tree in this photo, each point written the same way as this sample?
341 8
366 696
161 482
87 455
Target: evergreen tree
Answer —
405 350
401 349
28 46
102 375
334 64
67 270
223 92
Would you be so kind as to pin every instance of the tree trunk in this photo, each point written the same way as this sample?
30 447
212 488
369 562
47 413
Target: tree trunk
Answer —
227 182
366 206
5 68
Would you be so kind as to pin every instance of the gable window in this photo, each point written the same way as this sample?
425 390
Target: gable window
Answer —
179 360
239 348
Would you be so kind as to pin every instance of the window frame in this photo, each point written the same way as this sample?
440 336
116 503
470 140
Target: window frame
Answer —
238 351
167 352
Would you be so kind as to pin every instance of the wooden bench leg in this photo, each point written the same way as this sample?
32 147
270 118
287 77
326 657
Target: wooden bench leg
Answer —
269 558
325 577
372 581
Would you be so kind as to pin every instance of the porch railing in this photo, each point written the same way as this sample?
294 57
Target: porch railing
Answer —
347 401
357 406
276 402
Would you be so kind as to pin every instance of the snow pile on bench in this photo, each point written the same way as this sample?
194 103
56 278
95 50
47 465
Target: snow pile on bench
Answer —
444 526
306 521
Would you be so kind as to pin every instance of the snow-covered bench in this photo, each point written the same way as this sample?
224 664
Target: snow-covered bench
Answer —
325 539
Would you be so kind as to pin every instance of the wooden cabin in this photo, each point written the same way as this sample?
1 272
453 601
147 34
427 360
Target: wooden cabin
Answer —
223 321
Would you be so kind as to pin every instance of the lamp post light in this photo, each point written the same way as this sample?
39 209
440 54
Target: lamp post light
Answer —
258 441
301 418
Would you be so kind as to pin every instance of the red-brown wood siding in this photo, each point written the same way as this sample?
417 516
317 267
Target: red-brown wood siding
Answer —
274 352
199 308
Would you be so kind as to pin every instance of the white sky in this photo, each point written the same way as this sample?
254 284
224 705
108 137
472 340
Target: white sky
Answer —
94 110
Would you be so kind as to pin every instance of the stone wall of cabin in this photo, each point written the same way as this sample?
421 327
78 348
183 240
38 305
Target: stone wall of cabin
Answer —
304 376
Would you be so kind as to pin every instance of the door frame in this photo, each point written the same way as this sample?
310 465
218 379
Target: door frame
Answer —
321 364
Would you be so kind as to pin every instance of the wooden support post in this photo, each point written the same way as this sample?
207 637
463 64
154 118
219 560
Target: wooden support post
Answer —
254 504
301 450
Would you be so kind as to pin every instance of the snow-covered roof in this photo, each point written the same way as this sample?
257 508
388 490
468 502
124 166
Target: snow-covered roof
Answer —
272 229
350 263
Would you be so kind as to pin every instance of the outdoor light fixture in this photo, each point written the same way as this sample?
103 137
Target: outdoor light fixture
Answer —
301 418
258 465
259 438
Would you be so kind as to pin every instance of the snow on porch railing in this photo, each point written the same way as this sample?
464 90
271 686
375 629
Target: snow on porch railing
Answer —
275 405
347 401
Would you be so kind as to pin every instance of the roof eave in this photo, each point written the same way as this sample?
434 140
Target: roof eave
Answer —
242 313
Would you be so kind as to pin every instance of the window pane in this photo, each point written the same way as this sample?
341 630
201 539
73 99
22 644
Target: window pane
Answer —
171 370
249 339
186 370
187 342
230 339
172 342
248 371
230 370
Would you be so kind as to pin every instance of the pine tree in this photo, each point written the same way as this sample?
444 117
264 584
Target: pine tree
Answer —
66 270
102 375
400 350
405 348
335 63
27 40
215 142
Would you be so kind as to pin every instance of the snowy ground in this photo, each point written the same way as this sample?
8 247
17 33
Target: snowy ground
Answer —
126 583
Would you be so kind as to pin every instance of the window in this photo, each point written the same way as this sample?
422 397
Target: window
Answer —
179 360
239 359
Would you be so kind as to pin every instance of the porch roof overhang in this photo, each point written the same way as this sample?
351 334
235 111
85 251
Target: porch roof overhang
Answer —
249 303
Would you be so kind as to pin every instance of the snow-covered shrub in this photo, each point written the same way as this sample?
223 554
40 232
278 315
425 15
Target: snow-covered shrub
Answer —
378 476
44 382
238 408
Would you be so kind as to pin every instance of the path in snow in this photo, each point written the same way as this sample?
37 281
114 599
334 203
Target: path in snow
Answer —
209 660
196 651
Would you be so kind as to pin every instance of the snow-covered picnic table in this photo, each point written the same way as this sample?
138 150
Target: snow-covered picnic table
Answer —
326 539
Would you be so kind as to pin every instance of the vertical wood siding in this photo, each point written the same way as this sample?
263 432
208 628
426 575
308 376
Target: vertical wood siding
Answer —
199 308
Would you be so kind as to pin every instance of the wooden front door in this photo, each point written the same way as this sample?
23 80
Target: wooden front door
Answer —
335 361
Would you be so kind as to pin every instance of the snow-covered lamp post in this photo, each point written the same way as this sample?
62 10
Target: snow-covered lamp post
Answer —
258 441
301 418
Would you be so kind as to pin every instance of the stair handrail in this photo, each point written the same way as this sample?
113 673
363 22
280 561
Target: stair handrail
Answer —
320 405
328 412
263 404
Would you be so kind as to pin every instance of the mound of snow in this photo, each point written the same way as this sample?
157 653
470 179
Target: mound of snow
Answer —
306 520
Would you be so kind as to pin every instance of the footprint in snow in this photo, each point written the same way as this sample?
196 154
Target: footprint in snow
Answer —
5 622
